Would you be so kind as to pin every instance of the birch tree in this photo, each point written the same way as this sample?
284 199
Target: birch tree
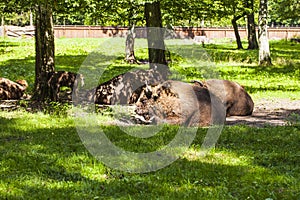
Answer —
264 49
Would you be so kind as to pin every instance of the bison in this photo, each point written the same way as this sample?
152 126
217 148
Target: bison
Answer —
237 101
12 90
176 102
124 88
64 79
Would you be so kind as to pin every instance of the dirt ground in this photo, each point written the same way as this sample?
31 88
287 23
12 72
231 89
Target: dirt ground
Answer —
276 112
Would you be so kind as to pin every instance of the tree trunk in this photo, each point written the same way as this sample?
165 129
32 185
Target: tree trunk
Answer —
2 32
44 47
264 49
155 36
129 47
236 31
252 41
31 18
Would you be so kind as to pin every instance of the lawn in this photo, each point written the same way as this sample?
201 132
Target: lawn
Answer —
43 156
221 59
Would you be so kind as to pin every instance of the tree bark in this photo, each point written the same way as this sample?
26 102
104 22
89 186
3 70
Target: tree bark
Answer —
3 32
129 46
31 18
236 31
155 36
252 41
264 49
44 47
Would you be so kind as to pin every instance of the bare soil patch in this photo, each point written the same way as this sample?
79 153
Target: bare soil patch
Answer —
275 112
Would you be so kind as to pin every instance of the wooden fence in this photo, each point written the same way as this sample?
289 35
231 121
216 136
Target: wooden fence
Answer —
17 31
180 32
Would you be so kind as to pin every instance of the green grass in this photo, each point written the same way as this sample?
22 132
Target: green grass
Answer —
279 81
43 157
191 61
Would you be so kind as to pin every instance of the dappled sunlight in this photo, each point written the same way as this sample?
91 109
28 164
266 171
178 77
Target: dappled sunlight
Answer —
52 161
33 121
279 81
232 64
42 154
224 158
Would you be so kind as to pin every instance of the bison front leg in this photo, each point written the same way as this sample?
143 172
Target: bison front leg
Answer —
55 91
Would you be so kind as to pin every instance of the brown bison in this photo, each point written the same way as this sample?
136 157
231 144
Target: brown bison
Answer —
125 88
12 90
64 79
176 102
237 101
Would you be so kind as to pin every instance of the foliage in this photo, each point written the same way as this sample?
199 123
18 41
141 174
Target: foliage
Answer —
14 12
17 19
187 13
285 12
231 8
125 13
93 12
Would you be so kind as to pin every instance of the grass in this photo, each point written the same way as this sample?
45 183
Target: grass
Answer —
280 80
42 155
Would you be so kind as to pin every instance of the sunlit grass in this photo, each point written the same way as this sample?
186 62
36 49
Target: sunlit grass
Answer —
220 60
42 155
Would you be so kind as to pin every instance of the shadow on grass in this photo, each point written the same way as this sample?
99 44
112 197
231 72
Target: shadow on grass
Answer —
291 70
216 53
5 44
24 68
226 53
273 78
274 148
52 163
15 69
183 180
